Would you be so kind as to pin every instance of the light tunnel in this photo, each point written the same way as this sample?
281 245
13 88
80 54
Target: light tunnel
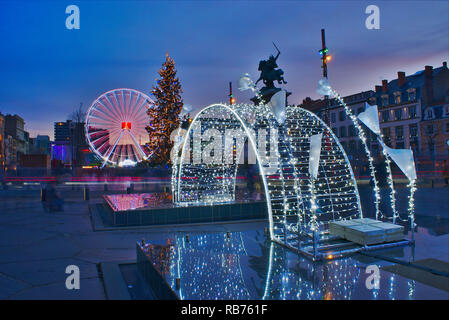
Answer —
205 168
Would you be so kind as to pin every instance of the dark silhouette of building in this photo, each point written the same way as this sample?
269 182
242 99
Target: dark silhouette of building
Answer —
70 145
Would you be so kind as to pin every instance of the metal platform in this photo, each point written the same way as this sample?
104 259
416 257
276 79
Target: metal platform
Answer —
329 247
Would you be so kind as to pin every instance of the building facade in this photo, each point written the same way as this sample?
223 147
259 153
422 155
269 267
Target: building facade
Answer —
70 145
40 145
435 133
16 140
412 114
11 159
2 144
399 105
342 125
434 127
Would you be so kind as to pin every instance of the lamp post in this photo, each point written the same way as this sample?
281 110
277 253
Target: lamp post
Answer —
231 96
325 58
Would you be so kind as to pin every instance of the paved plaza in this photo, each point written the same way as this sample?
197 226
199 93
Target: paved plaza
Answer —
36 246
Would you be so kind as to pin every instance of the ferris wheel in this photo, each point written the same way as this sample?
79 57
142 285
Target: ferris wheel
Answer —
115 127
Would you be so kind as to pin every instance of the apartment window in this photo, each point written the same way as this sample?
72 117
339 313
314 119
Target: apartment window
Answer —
412 112
386 132
342 116
414 147
333 118
352 146
385 100
397 98
342 132
429 114
412 95
431 147
429 129
360 146
399 132
413 130
351 130
398 114
385 116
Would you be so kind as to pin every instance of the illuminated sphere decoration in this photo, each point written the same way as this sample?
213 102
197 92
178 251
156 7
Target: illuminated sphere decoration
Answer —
115 127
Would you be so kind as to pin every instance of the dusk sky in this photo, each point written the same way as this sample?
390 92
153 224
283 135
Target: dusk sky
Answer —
47 70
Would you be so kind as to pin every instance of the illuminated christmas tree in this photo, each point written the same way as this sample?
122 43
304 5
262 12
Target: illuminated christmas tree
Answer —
164 117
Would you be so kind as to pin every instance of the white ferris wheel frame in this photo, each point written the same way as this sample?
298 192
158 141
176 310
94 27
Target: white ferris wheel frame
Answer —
109 152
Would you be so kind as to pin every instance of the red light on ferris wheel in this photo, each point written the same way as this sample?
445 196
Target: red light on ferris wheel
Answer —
126 125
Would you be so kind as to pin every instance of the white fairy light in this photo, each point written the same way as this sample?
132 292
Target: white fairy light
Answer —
390 180
362 137
395 215
294 205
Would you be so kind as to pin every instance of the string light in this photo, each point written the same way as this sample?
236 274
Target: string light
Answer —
389 181
296 203
412 183
362 137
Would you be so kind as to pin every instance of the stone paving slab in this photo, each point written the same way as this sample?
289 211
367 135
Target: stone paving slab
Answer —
38 273
10 286
90 289
35 247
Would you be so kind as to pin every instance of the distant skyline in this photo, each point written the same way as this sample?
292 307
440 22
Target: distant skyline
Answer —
47 70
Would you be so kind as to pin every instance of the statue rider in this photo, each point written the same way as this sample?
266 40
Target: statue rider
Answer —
269 73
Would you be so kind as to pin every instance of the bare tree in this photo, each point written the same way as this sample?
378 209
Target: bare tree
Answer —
79 115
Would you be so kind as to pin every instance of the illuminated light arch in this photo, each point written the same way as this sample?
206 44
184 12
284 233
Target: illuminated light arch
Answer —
336 185
377 197
329 281
285 178
363 138
179 167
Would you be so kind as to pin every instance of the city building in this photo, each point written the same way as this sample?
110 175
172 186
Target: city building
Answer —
342 125
70 145
412 113
2 143
15 127
434 127
62 131
10 153
399 105
16 140
40 145
435 136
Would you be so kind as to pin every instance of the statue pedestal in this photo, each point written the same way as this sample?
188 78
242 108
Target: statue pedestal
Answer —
267 93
